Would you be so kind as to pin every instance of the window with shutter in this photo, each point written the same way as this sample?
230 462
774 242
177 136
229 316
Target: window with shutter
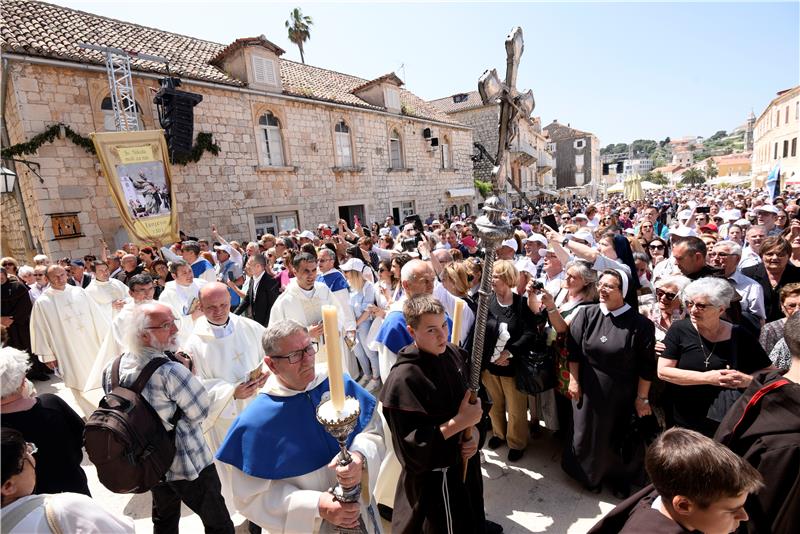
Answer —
395 151
343 147
264 71
445 153
272 144
392 98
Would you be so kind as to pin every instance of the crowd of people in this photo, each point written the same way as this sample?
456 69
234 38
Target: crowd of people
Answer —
664 333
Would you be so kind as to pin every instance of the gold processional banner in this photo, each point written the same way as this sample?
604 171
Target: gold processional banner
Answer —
136 165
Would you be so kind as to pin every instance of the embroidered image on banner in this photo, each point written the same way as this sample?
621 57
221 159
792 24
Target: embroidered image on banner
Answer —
136 166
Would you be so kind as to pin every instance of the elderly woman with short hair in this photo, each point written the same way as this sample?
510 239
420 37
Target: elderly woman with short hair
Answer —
510 406
771 337
669 307
773 273
703 355
45 420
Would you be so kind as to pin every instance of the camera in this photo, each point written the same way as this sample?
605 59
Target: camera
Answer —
409 244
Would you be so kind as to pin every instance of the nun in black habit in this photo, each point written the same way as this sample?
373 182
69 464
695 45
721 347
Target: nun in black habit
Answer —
612 362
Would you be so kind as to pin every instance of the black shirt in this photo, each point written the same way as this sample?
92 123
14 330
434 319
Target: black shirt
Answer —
57 432
772 302
683 343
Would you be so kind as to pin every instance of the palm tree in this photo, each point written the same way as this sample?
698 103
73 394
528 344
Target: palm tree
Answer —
298 28
693 176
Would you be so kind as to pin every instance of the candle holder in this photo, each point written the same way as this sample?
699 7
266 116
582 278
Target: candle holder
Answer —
340 424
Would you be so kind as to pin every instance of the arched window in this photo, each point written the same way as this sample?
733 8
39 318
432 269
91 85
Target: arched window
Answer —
272 141
395 150
109 123
447 160
344 152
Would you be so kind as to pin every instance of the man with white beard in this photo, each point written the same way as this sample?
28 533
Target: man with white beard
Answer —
141 291
192 476
183 296
109 293
67 329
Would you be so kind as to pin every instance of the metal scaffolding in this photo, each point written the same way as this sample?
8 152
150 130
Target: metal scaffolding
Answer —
120 82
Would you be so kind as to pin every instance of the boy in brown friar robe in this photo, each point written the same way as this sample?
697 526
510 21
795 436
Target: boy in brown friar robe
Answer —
698 486
426 404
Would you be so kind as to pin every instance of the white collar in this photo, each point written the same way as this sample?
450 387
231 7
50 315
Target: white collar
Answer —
257 279
616 313
275 387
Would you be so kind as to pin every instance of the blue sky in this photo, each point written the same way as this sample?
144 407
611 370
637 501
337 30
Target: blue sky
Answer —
620 70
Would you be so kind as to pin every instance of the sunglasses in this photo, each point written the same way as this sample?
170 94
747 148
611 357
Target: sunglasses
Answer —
656 247
660 293
699 305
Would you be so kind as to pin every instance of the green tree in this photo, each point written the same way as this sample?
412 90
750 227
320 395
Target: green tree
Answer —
484 188
298 29
711 168
718 135
643 147
657 178
693 176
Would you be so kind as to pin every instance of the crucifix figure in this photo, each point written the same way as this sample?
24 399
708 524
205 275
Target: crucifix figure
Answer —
514 106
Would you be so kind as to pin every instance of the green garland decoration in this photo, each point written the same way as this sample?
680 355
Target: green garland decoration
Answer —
48 136
203 143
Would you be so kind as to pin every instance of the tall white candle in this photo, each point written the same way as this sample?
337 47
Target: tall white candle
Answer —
333 350
458 314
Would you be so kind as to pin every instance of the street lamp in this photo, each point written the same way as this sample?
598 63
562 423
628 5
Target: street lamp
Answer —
8 180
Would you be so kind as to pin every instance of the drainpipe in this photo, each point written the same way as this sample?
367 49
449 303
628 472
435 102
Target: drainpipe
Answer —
18 186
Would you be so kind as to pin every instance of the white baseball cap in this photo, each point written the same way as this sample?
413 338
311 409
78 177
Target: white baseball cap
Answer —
769 208
307 234
510 243
536 238
353 264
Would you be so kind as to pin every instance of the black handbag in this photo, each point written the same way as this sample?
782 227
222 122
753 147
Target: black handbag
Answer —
535 372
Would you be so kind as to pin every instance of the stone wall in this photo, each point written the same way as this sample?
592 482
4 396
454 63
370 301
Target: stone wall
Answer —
484 122
233 187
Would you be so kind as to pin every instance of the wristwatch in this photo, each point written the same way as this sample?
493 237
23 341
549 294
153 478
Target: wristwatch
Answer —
643 399
564 242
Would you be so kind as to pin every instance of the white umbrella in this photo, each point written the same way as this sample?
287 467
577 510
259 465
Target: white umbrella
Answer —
650 186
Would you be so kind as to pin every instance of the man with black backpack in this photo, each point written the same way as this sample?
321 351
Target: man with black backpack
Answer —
192 476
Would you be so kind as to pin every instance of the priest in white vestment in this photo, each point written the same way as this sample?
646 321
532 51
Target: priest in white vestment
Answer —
282 462
109 293
67 329
225 349
302 301
141 291
182 295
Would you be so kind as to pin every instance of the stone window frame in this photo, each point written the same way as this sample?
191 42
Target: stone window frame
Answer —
398 129
276 212
98 91
335 136
260 110
446 152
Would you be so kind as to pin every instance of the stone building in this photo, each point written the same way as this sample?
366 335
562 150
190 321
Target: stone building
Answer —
577 155
775 137
300 145
533 174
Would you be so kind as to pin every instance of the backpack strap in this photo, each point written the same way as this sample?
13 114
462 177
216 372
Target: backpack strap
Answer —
115 372
146 373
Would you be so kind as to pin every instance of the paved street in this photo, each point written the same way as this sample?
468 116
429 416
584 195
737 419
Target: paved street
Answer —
530 496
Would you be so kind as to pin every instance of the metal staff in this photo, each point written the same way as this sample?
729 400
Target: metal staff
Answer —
493 228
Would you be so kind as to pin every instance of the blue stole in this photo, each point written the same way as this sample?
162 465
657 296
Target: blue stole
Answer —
334 280
394 334
200 267
279 437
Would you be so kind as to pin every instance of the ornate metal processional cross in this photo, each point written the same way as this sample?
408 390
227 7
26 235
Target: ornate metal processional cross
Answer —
493 226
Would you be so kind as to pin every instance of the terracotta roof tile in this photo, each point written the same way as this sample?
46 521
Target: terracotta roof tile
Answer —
388 78
40 29
448 104
559 131
245 41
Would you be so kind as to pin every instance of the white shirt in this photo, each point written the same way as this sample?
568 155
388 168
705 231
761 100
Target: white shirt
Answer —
752 294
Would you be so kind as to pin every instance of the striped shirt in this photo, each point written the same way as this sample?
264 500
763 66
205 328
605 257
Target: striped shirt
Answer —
171 386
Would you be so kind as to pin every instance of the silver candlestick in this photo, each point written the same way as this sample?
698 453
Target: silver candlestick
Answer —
340 424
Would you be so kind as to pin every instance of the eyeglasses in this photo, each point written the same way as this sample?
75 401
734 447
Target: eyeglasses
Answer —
601 286
296 356
7 264
656 247
38 275
660 293
699 305
164 327
721 255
